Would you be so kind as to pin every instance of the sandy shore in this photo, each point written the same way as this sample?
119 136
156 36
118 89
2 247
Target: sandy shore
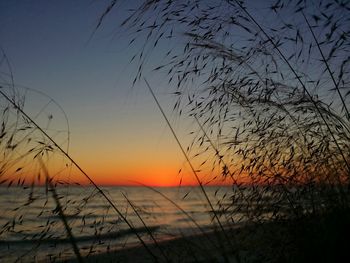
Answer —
210 246
314 239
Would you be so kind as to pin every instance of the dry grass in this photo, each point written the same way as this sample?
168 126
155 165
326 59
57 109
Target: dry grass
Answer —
268 89
268 92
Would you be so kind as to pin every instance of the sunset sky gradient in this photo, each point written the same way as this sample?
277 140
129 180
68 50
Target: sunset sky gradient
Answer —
117 134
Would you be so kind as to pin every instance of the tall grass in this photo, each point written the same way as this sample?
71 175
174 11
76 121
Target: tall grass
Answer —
267 85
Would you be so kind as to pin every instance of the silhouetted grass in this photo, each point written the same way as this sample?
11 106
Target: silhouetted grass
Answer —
268 91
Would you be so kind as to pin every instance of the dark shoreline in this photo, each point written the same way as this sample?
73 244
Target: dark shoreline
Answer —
322 238
178 249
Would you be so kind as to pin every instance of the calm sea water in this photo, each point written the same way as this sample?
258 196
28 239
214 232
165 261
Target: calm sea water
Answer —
32 229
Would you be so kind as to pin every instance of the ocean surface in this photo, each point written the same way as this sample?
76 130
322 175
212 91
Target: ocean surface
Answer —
32 229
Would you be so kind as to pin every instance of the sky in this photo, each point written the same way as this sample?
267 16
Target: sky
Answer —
117 133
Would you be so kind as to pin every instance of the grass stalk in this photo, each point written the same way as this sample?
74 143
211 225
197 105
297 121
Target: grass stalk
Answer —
298 78
63 217
194 173
146 227
336 86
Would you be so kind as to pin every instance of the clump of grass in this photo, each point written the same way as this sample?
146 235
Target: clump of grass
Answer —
273 96
268 89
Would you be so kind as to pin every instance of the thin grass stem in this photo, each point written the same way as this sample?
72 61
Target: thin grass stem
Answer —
193 171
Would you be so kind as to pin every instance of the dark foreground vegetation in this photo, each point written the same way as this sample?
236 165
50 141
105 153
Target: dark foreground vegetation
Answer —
267 87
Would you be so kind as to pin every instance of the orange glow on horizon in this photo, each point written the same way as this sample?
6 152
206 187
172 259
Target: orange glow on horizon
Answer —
149 178
160 178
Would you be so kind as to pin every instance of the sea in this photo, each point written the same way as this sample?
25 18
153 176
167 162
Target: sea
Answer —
35 221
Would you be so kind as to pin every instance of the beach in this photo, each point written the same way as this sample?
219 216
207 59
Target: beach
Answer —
205 247
321 238
248 241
